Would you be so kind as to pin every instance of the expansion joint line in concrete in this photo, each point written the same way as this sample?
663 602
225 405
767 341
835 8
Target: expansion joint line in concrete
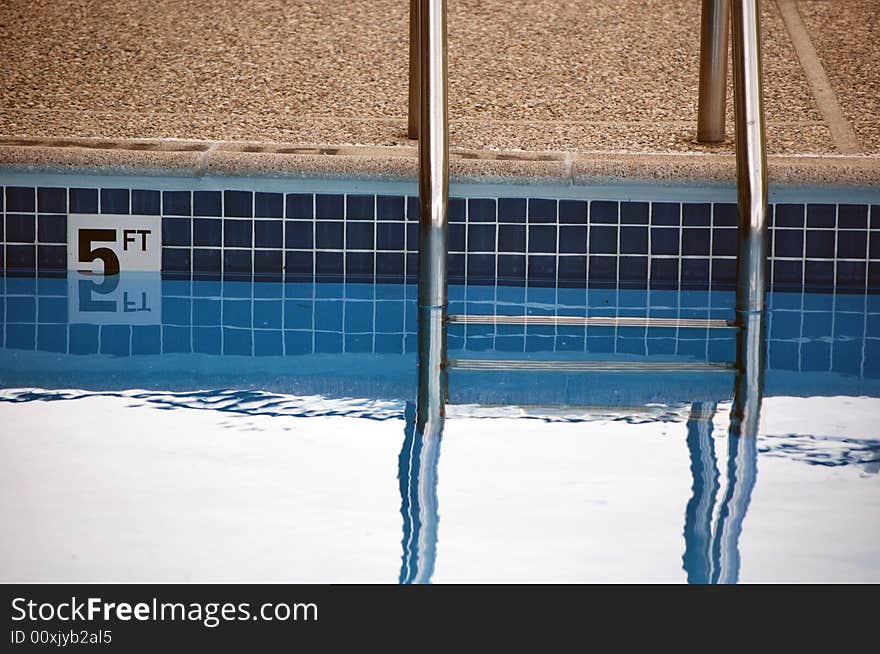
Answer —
842 131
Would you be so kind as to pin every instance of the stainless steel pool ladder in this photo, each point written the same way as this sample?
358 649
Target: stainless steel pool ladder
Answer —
428 92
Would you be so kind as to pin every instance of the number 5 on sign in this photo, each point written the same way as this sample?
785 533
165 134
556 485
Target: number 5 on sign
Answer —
107 244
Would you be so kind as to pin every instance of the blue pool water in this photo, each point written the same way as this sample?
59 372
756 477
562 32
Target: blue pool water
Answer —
166 430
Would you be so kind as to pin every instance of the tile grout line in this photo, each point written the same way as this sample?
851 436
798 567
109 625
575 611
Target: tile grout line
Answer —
842 132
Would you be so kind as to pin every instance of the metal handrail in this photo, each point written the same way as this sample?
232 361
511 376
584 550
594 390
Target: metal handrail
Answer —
714 28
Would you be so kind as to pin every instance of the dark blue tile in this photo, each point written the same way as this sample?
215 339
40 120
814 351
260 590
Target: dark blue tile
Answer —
298 263
413 209
573 212
52 200
787 274
411 261
268 233
268 262
390 207
788 243
852 216
603 269
206 261
52 338
116 340
21 228
603 240
664 240
542 238
268 205
664 271
329 235
390 236
851 274
21 199
512 238
389 265
603 211
875 216
175 260
634 240
300 205
820 245
178 231
52 257
852 244
695 272
237 263
146 203
511 267
821 215
634 270
207 231
238 204
541 268
359 236
455 264
634 213
542 210
481 210
573 271
481 267
511 210
696 214
21 257
205 203
481 238
727 215
329 207
724 271
457 210
299 234
329 263
412 235
52 229
238 233
874 245
359 266
695 241
789 215
665 213
819 275
573 239
360 207
237 341
174 203
724 242
115 200
83 200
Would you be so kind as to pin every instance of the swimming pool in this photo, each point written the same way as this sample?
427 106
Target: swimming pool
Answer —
214 420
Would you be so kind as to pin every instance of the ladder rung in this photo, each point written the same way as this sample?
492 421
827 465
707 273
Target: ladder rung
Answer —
591 366
596 321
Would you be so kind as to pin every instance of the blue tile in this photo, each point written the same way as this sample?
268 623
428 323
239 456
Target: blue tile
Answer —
52 200
573 239
360 207
573 212
359 266
633 240
481 238
359 236
818 324
21 228
852 244
21 309
145 202
177 231
664 240
115 200
726 214
329 235
457 210
299 234
206 261
329 263
267 314
205 203
146 339
237 312
175 339
819 275
300 205
634 270
603 269
542 210
298 263
238 204
238 233
268 205
21 337
52 257
821 215
511 210
695 241
358 317
21 257
268 343
52 338
175 259
52 229
328 342
788 243
174 203
390 207
21 199
696 214
268 233
206 311
298 314
176 311
328 315
816 356
268 263
723 242
298 342
634 213
603 240
237 341
52 309
665 213
83 339
820 245
851 274
390 236
329 207
481 210
852 216
116 340
207 340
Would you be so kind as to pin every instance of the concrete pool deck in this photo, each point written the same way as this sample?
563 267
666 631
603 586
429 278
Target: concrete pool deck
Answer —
539 89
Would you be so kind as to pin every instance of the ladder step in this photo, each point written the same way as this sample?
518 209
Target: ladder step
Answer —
591 366
595 321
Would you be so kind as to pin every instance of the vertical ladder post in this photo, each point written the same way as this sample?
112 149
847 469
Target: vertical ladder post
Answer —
434 199
751 165
414 65
714 30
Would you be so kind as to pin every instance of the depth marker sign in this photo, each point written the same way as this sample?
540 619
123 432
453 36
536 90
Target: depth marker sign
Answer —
110 244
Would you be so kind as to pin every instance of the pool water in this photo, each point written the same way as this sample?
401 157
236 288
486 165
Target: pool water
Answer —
169 430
